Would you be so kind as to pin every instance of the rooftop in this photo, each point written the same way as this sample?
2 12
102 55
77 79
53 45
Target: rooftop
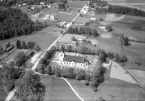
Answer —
76 59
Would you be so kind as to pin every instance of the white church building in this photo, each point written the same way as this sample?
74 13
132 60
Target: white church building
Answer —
72 60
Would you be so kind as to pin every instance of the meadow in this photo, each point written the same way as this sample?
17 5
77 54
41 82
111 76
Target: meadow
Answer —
57 89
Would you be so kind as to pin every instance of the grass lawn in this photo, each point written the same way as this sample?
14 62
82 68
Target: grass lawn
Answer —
44 38
57 89
85 92
139 75
77 3
110 90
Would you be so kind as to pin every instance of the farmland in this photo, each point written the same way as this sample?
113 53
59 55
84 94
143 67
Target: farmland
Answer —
57 90
110 89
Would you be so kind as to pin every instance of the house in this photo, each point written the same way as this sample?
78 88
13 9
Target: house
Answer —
72 60
24 4
103 28
93 18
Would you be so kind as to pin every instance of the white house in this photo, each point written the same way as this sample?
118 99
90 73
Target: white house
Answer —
93 18
24 4
103 28
72 60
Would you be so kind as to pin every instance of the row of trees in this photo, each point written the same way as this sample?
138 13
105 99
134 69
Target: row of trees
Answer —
83 30
30 87
15 23
44 62
9 76
30 45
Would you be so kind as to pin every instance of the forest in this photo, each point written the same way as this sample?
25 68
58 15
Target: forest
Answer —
116 8
29 2
15 23
125 10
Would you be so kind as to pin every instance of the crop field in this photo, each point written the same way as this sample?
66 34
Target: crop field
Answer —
57 90
139 75
77 4
118 90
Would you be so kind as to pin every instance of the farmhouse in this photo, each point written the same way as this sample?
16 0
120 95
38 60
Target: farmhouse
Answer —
72 60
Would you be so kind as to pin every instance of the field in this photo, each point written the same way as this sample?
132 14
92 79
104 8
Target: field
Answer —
139 75
44 38
57 89
2 92
111 90
131 3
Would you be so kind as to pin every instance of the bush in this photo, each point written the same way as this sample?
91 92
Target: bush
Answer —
86 83
18 44
109 28
43 61
41 68
80 75
94 84
68 72
110 55
30 45
102 56
48 70
24 46
20 59
37 48
74 38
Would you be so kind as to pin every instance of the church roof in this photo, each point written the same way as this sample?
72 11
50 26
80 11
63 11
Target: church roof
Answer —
76 59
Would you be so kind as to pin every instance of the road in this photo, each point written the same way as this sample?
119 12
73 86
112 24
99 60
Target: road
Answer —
10 95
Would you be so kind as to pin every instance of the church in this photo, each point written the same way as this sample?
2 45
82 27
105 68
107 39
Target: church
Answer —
72 60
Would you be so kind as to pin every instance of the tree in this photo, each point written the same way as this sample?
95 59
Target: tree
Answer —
37 48
20 59
102 56
80 75
41 68
117 58
29 86
8 45
94 84
31 45
43 61
109 28
48 70
24 46
110 55
9 76
126 41
1 50
18 44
